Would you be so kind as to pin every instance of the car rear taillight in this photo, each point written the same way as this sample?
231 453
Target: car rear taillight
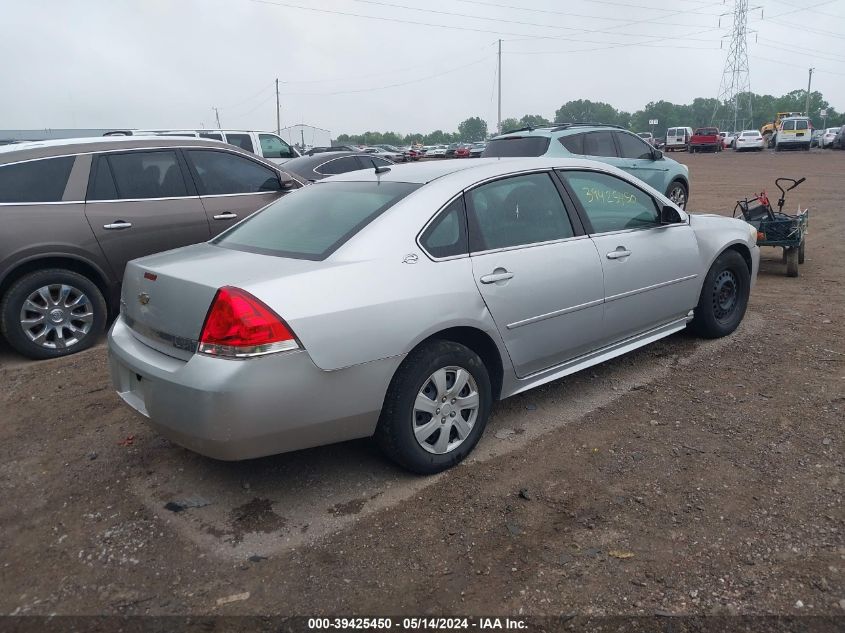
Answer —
238 325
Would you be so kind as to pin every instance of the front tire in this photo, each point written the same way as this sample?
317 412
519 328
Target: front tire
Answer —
724 296
436 407
678 193
52 313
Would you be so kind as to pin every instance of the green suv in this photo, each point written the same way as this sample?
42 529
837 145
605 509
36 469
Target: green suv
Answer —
606 143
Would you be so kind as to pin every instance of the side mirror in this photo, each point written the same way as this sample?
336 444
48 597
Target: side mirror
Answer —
656 154
670 215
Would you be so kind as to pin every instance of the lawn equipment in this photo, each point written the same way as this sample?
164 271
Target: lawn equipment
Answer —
776 228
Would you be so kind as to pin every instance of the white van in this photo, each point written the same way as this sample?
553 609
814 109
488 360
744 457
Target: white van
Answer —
794 131
677 138
265 144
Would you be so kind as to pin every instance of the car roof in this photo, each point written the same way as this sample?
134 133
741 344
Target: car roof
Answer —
561 128
477 169
63 147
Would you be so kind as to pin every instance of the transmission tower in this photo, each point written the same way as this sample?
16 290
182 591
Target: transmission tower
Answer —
735 88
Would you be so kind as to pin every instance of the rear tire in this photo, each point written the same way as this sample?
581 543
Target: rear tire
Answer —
792 261
52 313
678 193
409 433
724 297
801 253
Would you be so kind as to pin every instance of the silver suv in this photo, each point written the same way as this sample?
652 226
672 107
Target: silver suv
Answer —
82 208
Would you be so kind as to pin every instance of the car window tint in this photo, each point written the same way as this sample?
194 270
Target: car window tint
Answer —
788 125
274 147
447 235
101 186
147 175
212 135
35 180
379 162
516 211
599 144
223 172
339 166
515 146
631 146
801 125
240 140
574 143
612 204
316 220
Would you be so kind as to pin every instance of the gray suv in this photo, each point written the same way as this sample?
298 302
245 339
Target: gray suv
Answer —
77 210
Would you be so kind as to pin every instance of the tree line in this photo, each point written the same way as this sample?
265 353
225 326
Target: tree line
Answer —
696 114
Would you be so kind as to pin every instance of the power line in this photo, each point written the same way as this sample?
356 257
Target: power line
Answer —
517 22
799 50
394 85
779 61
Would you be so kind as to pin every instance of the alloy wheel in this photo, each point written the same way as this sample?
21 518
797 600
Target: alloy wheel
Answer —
678 196
57 316
445 410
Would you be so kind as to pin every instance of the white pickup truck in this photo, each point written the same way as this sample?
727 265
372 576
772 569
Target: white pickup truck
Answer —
265 144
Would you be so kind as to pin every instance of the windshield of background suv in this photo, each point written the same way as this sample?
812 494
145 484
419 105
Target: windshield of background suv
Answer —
516 146
315 221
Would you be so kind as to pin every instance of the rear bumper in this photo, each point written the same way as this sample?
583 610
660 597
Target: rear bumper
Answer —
240 409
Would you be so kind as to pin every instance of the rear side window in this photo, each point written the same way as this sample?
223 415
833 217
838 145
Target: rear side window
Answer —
240 140
316 220
573 143
274 147
516 211
35 180
212 135
447 235
516 146
137 175
339 166
221 173
599 144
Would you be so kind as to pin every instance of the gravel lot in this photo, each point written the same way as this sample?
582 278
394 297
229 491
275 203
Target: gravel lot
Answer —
689 477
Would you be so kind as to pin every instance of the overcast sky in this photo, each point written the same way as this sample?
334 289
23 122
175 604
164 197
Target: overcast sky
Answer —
418 67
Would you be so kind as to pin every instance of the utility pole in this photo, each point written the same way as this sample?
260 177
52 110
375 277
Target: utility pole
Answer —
807 103
217 116
278 121
499 124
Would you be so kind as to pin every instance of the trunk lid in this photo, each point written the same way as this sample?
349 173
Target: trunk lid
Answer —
165 297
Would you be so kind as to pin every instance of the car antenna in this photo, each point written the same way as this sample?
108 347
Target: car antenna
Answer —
381 170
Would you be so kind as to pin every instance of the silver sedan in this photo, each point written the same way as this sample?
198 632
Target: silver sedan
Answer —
401 302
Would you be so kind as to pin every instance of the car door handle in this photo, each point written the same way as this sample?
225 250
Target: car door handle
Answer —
226 215
117 226
494 277
619 253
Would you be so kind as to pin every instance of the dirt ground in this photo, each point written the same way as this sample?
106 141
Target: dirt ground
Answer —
689 477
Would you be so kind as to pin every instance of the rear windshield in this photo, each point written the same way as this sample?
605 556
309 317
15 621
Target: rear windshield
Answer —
315 221
706 131
750 133
516 146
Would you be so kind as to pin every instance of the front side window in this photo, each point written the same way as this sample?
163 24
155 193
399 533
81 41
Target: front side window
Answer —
610 203
240 140
222 173
316 220
35 180
274 147
515 146
339 166
447 235
631 146
599 144
516 211
138 175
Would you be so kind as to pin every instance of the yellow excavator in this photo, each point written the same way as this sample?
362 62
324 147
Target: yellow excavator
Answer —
768 130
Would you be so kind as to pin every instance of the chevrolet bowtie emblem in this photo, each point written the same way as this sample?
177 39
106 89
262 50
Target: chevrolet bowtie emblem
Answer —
144 298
